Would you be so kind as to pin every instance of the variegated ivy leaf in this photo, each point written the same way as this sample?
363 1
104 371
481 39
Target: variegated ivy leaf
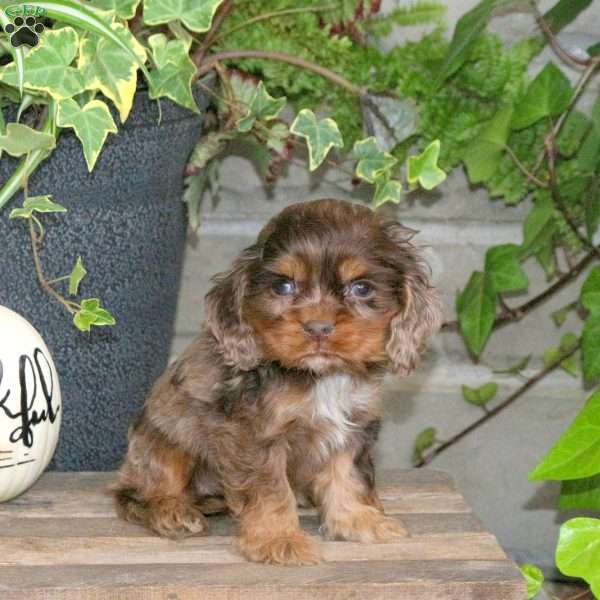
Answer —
40 204
20 139
196 15
48 65
424 169
92 124
174 71
261 106
91 313
387 190
123 9
372 161
107 67
77 274
320 136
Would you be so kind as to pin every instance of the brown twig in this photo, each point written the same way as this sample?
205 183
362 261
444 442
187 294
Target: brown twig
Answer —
223 11
518 312
44 283
428 457
205 66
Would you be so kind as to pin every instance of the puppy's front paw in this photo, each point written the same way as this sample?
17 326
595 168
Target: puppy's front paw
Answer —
366 525
294 548
175 518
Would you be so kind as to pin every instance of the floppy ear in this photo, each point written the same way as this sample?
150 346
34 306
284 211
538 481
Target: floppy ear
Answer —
224 318
421 315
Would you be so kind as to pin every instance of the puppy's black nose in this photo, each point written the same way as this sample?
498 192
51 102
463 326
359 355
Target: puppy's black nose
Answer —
318 328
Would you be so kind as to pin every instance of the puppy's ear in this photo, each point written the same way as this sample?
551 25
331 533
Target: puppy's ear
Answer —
224 318
421 315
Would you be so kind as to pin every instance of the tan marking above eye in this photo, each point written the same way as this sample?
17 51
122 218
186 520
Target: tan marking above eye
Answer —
352 268
292 267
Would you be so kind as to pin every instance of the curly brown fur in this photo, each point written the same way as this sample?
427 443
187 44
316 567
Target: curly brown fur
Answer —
279 396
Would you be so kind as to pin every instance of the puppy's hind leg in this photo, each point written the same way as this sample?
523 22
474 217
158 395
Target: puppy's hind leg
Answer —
154 486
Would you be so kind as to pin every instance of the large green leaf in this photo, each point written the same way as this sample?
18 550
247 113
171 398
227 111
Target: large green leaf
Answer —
547 95
503 269
174 70
583 494
92 124
578 551
534 578
372 160
483 155
590 291
197 15
423 168
591 347
47 66
476 310
564 12
539 227
20 139
261 106
573 131
577 452
107 67
123 9
320 136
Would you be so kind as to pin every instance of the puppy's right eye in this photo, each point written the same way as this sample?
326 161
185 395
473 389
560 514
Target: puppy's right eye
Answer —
284 287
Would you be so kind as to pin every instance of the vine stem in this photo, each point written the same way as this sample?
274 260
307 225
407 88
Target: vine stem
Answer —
221 15
204 66
518 312
44 283
428 457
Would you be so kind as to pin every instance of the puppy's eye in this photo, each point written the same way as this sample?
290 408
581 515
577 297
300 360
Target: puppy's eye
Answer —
284 287
361 289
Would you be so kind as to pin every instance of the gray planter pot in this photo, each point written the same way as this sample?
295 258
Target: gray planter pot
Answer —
126 220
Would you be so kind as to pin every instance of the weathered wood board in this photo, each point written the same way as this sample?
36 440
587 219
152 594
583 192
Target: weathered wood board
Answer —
62 541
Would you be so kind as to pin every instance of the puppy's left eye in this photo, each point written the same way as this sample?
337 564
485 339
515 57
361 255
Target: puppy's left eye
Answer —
284 287
361 289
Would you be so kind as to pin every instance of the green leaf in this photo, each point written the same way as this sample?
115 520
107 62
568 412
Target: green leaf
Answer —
423 441
484 153
47 66
424 168
123 9
503 269
591 347
196 15
476 310
20 139
92 124
77 274
582 493
572 132
386 190
515 369
560 316
262 106
174 70
539 227
467 30
40 204
577 452
372 161
578 551
564 12
590 291
479 396
534 578
107 67
320 136
548 95
568 342
92 314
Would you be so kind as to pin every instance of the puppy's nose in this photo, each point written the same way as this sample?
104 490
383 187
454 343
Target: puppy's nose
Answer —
318 328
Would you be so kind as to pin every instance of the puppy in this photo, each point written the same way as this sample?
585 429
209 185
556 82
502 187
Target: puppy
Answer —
279 396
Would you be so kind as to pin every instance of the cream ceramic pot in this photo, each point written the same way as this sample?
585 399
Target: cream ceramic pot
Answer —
30 405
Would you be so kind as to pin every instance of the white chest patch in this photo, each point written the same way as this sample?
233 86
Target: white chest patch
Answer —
334 398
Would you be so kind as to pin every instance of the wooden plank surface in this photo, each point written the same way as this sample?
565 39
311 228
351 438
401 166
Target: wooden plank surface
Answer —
62 540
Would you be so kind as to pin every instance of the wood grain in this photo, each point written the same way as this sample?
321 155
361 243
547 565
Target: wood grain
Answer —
63 541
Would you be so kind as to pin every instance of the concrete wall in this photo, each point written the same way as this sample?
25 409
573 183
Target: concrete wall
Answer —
458 223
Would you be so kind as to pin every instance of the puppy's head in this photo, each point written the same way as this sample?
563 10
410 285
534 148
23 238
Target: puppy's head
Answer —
329 286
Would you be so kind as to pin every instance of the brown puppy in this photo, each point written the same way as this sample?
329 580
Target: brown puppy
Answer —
279 396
